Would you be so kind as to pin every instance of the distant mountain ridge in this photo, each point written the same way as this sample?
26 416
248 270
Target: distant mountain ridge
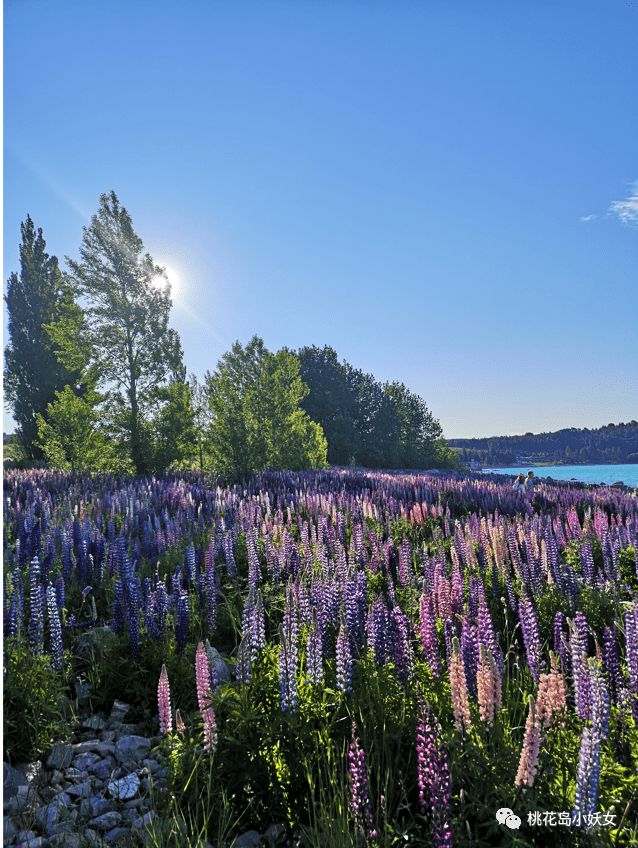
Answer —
612 444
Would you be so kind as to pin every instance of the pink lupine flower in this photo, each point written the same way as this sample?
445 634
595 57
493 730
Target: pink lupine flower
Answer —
179 724
164 697
552 694
210 729
202 677
531 746
458 683
488 683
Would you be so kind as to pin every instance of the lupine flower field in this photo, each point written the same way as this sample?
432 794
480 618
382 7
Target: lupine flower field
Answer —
416 659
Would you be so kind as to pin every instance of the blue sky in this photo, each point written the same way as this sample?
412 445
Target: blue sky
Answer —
444 192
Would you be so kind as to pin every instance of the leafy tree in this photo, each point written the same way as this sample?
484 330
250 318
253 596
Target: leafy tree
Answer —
173 432
417 430
201 416
126 321
33 374
375 425
257 419
70 437
331 401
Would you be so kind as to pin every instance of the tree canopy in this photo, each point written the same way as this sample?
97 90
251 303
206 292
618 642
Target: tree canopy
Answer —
32 373
126 322
257 420
366 422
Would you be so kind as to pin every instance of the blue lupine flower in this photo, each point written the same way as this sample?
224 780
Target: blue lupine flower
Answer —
57 654
287 672
344 660
231 567
181 621
378 630
189 564
36 618
531 637
470 654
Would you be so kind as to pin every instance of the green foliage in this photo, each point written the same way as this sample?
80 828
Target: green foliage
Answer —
172 431
32 711
70 438
368 423
126 327
600 609
257 420
628 570
32 373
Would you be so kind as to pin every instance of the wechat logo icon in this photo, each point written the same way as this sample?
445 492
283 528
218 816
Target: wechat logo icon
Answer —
506 816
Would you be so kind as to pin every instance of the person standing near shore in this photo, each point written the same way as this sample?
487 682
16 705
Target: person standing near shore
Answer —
519 483
529 483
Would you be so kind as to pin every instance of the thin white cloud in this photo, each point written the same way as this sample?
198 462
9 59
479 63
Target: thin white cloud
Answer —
627 210
588 218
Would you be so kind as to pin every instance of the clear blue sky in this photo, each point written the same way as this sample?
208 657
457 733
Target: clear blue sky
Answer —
444 192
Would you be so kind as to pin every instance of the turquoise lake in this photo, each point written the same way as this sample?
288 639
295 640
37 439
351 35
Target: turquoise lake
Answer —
583 473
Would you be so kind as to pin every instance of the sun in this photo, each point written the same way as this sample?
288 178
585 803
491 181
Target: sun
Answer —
172 276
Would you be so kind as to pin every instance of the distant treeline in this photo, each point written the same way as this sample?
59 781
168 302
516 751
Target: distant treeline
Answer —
610 445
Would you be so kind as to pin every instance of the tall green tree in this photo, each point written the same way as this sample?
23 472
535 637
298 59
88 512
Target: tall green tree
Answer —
257 420
33 374
416 428
331 401
172 431
126 324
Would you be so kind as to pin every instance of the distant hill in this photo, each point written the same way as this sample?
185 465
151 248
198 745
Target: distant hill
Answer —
613 444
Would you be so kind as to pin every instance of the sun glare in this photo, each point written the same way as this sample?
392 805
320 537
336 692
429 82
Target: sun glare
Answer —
173 278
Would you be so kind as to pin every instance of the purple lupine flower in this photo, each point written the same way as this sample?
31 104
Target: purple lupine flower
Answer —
359 796
162 602
470 654
531 637
189 564
631 654
587 566
181 622
254 572
134 634
599 700
211 597
580 668
164 699
36 617
401 646
405 563
611 665
561 642
486 634
344 660
433 776
12 629
231 567
587 776
287 671
55 630
429 637
353 615
314 654
511 594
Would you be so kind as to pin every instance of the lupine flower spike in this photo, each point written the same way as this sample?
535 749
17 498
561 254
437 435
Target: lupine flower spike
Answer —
531 746
164 697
